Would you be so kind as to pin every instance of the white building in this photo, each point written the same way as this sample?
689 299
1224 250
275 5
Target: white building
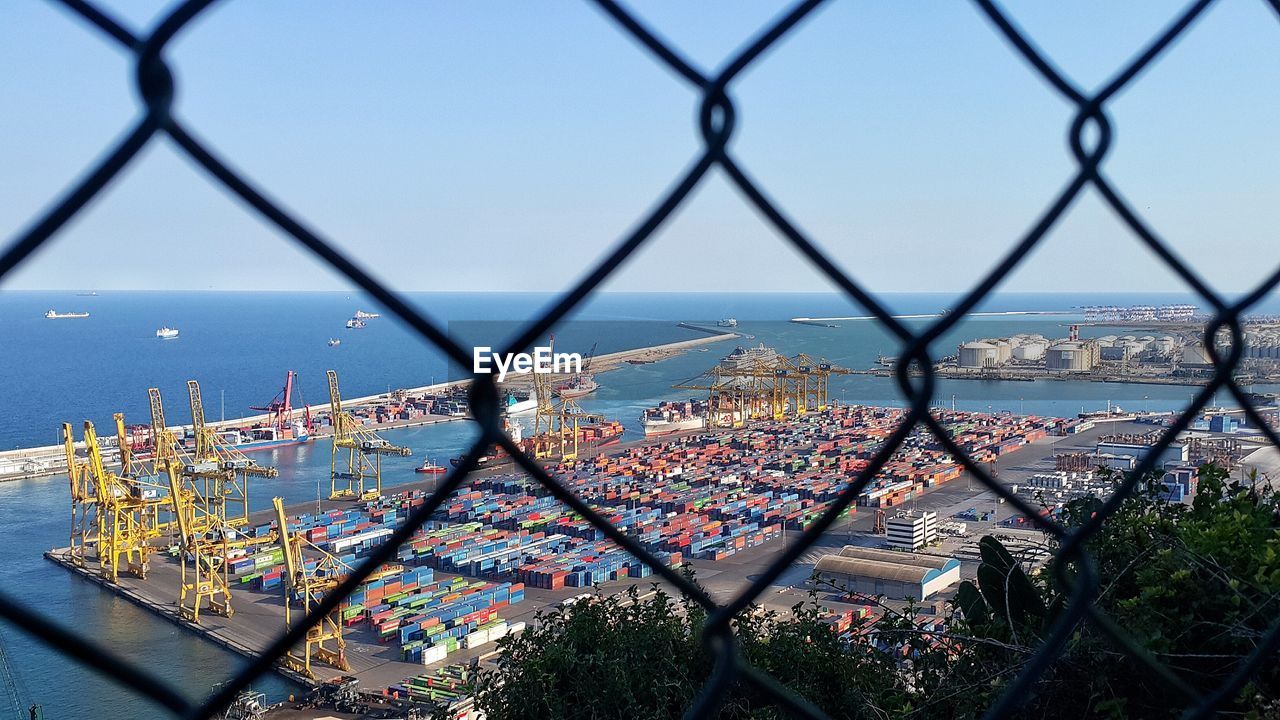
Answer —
912 532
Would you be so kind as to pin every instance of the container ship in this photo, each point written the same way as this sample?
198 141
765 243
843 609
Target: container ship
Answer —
55 315
576 387
672 417
600 434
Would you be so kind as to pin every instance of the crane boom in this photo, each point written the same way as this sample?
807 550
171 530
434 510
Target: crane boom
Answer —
335 399
289 567
122 440
69 447
197 419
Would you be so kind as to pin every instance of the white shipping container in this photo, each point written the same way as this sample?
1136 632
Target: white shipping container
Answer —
498 631
342 544
434 654
476 639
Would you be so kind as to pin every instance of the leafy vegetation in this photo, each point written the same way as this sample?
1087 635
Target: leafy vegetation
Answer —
1195 586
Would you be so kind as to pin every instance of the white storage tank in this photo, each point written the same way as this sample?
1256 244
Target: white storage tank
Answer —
1030 350
979 354
1071 355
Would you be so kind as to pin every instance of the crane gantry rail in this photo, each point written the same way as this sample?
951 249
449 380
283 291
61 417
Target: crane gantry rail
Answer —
364 450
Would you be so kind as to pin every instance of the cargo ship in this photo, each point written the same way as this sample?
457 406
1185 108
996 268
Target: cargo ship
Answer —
600 434
55 315
576 387
673 417
167 333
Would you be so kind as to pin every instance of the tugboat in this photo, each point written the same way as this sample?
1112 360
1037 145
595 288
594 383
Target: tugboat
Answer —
430 468
334 342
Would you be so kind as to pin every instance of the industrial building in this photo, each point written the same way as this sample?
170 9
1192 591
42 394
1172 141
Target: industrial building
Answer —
895 575
912 532
1137 447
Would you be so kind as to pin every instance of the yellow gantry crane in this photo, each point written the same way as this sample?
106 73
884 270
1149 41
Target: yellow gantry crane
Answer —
199 512
773 388
222 469
555 423
202 547
364 450
113 514
84 502
323 641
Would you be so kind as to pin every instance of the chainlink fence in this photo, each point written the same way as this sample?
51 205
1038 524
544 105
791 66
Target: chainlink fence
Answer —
716 121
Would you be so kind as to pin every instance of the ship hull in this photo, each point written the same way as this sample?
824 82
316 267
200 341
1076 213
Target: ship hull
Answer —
522 406
271 444
652 429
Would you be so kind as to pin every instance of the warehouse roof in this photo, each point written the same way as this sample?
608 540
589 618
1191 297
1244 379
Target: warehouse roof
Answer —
873 569
896 556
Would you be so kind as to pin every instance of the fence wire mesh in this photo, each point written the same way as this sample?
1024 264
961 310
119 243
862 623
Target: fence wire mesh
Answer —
717 115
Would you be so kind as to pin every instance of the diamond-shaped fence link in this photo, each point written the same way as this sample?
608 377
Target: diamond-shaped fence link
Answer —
716 122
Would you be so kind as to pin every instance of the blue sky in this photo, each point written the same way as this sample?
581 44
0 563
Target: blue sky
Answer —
906 138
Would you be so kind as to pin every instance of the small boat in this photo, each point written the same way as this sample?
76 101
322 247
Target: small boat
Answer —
167 333
55 315
728 322
334 342
362 315
355 324
430 468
